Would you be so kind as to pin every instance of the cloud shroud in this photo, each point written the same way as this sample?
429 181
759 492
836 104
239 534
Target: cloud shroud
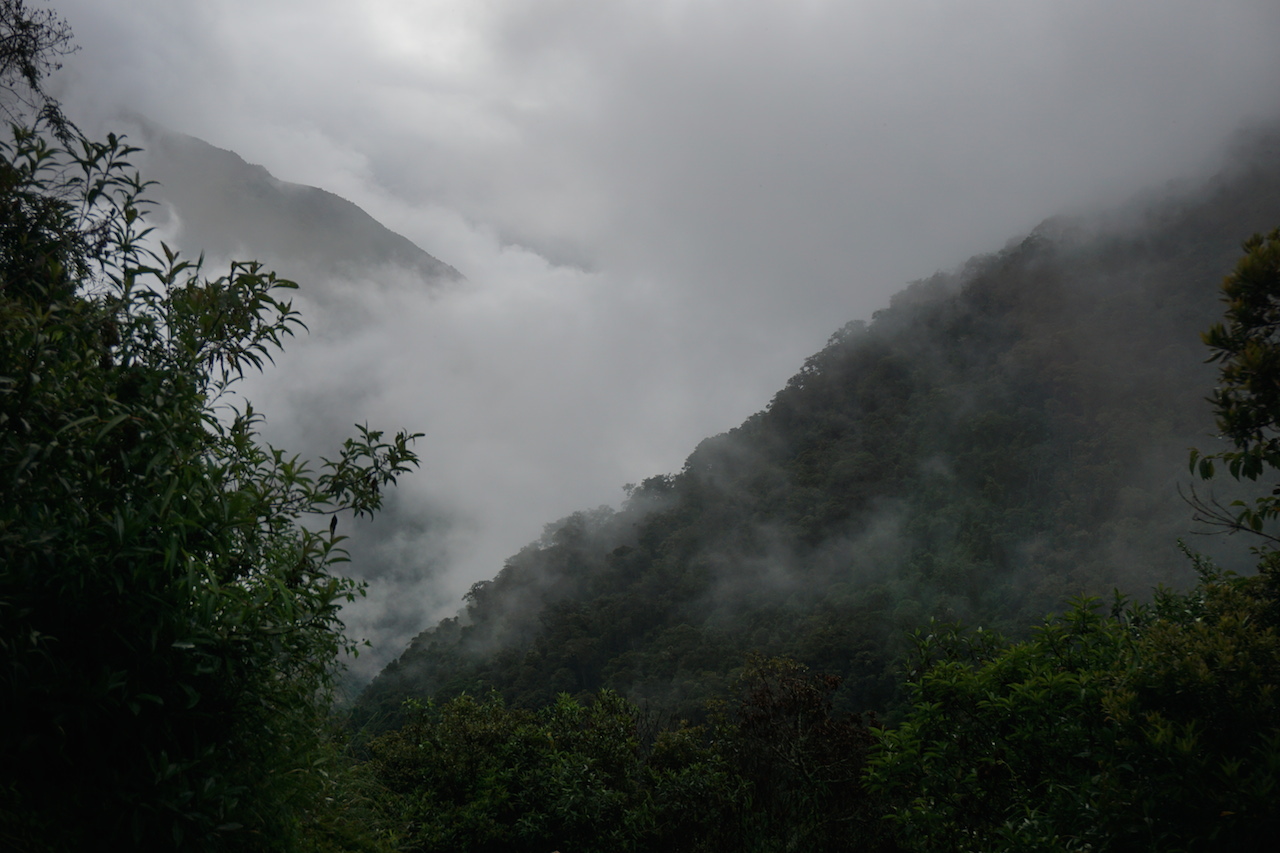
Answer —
660 208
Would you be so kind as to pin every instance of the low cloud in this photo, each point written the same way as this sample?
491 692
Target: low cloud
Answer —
660 208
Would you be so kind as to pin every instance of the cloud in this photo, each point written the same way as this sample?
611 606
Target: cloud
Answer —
661 207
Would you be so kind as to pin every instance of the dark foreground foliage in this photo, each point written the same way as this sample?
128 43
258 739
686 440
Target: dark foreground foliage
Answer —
1154 728
168 625
777 769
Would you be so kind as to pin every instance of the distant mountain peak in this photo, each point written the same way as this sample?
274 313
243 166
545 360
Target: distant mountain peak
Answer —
225 207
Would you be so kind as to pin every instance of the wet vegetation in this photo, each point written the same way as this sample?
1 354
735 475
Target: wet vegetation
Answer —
827 631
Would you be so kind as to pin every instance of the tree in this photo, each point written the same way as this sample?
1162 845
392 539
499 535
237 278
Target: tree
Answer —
477 775
30 43
802 759
998 736
169 624
1247 400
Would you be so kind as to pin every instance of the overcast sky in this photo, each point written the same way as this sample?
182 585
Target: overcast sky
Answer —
661 206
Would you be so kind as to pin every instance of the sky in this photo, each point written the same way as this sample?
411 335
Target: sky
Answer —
661 207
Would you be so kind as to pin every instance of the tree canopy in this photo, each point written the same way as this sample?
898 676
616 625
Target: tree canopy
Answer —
31 42
1246 345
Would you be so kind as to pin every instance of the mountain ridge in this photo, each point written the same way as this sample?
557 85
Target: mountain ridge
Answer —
226 207
997 440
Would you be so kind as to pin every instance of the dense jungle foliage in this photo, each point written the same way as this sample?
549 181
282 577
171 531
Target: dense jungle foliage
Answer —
775 767
1151 727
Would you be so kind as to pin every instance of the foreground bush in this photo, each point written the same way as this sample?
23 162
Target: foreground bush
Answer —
168 625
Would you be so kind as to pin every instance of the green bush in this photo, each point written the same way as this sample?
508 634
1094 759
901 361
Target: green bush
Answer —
168 622
1154 728
476 775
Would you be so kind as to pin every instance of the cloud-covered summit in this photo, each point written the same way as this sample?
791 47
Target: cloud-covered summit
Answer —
213 202
661 208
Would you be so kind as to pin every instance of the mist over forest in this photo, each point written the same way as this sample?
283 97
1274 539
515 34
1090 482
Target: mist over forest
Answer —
659 211
998 440
1048 393
697 426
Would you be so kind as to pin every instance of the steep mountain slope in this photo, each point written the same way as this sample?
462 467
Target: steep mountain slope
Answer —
228 208
999 439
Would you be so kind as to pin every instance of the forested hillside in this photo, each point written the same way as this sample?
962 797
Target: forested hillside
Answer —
1000 438
758 653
